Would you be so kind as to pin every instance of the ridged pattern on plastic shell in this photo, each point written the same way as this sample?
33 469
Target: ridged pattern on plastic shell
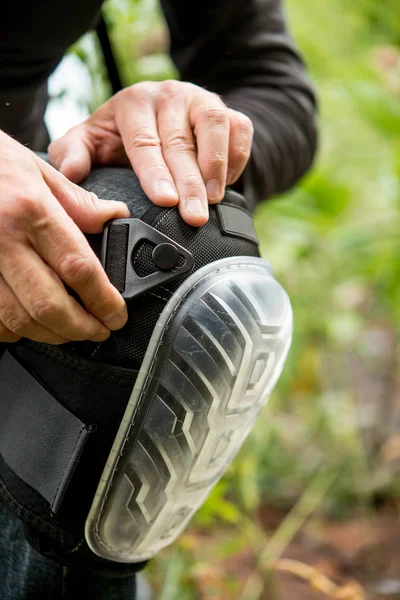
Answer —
208 373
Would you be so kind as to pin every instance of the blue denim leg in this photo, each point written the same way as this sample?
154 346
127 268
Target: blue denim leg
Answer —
27 575
24 574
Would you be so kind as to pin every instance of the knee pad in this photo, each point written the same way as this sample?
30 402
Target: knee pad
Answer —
107 450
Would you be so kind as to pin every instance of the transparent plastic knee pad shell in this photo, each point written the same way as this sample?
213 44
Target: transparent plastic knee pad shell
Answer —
214 357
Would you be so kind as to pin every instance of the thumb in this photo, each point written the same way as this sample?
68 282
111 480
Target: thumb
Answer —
88 211
71 154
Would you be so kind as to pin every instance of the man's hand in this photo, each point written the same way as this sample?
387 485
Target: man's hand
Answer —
183 142
42 216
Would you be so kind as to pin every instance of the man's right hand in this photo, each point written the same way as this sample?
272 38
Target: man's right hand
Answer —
42 217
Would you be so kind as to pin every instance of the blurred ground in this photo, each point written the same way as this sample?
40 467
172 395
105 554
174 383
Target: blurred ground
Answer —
357 559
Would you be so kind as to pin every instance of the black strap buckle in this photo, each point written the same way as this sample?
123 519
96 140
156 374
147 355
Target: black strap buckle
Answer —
120 240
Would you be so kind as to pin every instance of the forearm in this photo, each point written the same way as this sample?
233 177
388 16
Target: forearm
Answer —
284 139
241 50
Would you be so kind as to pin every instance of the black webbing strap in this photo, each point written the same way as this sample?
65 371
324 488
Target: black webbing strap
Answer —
108 54
40 440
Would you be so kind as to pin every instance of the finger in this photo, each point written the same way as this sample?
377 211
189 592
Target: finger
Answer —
15 322
95 141
85 209
210 123
63 246
44 298
72 154
136 121
179 149
6 336
240 142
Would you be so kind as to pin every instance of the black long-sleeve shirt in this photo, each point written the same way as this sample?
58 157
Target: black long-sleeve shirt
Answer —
239 49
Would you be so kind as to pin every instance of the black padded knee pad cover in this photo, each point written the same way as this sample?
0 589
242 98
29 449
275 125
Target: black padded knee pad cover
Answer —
94 381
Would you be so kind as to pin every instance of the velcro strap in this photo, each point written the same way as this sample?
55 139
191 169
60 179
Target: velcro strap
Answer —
237 221
117 255
40 439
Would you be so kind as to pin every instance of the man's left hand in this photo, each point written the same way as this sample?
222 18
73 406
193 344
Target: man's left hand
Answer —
183 142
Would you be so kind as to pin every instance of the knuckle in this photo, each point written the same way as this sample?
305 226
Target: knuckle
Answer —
40 223
17 323
192 180
241 153
43 308
215 115
153 169
142 91
144 137
28 206
244 124
90 198
74 268
171 88
217 160
179 141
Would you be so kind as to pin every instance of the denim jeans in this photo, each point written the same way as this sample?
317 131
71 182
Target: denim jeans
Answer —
26 575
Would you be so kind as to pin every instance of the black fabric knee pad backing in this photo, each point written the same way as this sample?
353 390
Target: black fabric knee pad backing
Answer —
95 380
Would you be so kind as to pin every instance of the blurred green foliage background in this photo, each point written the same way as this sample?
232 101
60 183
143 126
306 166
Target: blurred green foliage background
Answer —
327 445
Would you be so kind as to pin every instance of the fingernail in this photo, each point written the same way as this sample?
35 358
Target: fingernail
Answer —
101 337
213 189
115 320
166 188
194 206
230 176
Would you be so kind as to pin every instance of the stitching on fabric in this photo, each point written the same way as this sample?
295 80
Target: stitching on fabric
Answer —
77 546
96 349
162 217
162 287
159 297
